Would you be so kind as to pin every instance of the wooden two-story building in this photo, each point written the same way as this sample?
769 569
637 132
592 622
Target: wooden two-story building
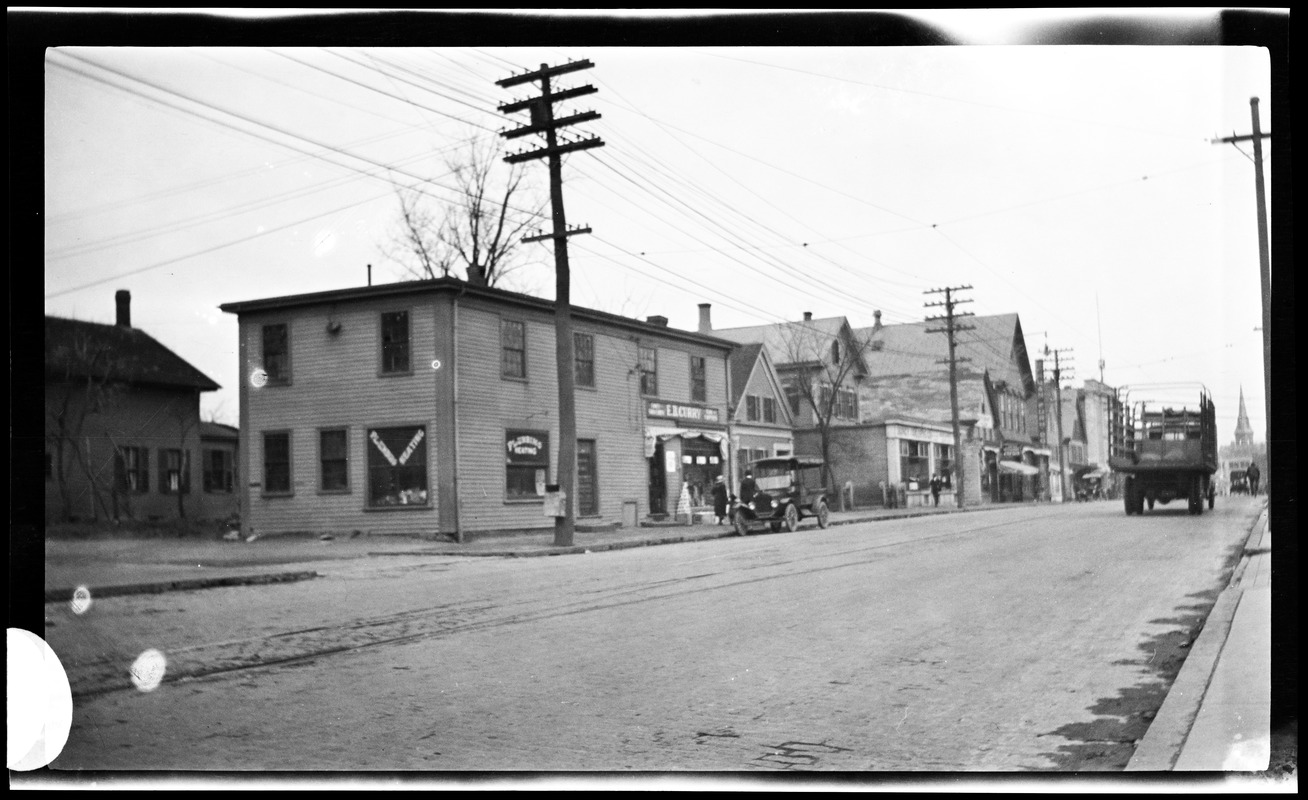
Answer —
431 408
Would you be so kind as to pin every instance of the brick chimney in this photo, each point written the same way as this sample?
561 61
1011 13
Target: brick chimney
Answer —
705 321
123 299
876 320
808 316
657 320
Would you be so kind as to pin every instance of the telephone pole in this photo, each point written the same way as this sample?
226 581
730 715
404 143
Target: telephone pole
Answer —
1264 260
1058 401
544 122
951 328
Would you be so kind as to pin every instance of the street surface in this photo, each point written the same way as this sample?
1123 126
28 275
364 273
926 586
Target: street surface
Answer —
1032 638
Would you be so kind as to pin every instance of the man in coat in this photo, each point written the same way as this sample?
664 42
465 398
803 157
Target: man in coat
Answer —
720 500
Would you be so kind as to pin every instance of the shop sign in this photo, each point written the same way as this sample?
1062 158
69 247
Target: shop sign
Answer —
675 411
525 448
1011 451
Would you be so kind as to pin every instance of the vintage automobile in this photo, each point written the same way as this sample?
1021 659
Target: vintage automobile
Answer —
1239 481
789 489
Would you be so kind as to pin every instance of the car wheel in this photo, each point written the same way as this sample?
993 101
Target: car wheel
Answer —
823 514
792 517
742 527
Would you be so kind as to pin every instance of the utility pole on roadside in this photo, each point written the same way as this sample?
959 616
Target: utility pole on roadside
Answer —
951 328
1058 401
1264 260
544 122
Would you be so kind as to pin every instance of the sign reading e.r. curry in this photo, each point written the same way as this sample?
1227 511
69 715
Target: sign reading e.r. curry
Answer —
674 411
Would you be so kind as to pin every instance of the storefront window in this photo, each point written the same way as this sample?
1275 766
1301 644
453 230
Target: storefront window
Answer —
397 466
945 463
914 462
526 464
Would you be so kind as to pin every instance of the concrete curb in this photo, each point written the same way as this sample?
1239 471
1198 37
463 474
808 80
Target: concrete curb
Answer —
159 587
1167 734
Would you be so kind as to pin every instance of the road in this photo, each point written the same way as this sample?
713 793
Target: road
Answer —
1037 638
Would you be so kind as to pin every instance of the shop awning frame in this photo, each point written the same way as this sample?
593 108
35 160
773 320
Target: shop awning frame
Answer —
1018 468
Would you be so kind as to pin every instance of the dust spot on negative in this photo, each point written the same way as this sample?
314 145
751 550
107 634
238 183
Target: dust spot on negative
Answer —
148 670
81 602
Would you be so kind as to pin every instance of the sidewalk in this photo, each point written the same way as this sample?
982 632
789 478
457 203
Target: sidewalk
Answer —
1217 714
117 567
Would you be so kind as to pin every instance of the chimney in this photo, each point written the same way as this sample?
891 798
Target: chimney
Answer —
657 320
876 320
476 275
808 316
123 299
705 321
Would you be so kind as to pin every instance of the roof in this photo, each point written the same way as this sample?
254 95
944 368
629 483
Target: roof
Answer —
74 348
777 336
991 345
741 363
460 288
217 430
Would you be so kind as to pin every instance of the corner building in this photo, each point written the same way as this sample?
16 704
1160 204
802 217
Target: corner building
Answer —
430 408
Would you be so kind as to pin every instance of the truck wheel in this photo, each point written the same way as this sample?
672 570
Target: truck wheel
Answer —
823 514
1128 498
742 527
792 518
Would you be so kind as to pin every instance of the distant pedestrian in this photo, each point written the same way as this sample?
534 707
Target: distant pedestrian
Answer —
747 488
1253 474
936 483
720 500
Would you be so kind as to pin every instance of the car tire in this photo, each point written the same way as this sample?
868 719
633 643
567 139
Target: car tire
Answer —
792 518
823 514
742 527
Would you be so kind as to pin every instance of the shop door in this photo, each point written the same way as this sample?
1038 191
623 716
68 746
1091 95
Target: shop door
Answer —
658 488
587 479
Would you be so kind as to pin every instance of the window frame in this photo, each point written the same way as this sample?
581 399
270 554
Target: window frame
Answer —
284 377
183 470
220 481
505 325
290 464
770 410
752 408
649 378
141 470
579 376
595 477
911 452
344 460
515 461
418 444
698 379
383 368
942 455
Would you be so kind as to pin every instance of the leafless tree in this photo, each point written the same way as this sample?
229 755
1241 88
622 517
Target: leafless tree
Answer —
83 379
820 372
478 231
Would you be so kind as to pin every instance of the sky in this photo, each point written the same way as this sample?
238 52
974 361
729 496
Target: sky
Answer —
1079 187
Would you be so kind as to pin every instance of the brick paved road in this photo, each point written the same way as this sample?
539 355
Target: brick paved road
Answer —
1037 638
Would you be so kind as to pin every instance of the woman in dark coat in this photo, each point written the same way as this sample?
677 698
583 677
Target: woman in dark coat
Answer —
720 500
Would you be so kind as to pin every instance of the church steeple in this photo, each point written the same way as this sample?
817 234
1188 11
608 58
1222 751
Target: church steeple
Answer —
1243 430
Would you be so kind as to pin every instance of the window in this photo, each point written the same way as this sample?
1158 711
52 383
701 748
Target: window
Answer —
769 409
132 470
751 408
835 351
219 472
395 342
277 353
945 463
513 349
649 371
792 397
698 379
277 463
846 404
174 471
913 461
526 464
333 459
587 479
397 467
583 349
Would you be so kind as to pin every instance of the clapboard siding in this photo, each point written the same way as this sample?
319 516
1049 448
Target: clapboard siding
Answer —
336 383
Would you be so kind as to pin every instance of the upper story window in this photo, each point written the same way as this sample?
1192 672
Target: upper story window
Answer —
513 349
583 352
751 408
649 371
835 351
395 342
793 397
769 409
277 353
698 379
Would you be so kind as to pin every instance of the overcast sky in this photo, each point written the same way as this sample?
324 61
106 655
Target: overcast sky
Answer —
1076 186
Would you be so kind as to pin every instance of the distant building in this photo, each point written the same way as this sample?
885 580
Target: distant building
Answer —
122 424
761 417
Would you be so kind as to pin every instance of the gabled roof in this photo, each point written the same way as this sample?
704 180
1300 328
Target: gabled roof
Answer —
992 345
217 430
779 339
741 363
74 348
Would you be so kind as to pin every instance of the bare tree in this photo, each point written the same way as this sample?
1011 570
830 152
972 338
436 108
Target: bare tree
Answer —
85 377
479 231
820 372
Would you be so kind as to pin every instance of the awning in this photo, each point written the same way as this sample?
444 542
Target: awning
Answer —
1095 474
653 435
1018 468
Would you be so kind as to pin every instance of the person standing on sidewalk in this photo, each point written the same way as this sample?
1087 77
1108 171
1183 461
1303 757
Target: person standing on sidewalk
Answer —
936 483
1253 475
719 500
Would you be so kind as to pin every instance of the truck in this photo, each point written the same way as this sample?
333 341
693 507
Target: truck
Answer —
1166 452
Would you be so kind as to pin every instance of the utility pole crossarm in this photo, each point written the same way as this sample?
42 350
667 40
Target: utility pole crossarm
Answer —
555 150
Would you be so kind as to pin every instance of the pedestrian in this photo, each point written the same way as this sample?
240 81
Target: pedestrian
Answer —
720 500
747 488
936 483
1253 474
